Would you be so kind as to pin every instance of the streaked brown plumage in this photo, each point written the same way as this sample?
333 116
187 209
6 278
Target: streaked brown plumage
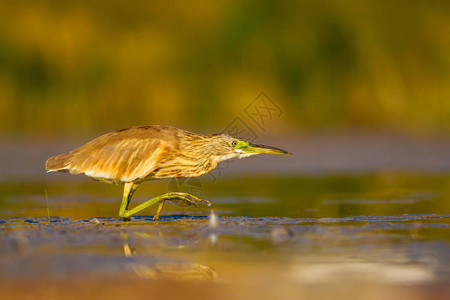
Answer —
142 153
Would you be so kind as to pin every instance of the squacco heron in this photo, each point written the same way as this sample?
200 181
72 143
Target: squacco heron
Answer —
140 153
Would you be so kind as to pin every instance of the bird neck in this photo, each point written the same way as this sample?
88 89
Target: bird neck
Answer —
202 151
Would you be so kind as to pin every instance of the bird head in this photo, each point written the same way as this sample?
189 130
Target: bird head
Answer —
230 147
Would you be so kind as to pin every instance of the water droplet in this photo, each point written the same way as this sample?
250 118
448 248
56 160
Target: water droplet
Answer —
213 220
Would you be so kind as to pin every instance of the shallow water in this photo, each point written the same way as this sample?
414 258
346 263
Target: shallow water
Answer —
369 236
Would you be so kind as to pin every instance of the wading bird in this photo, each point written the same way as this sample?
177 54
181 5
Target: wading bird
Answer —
140 153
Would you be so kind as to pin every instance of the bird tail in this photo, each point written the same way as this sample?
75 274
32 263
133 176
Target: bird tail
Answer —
58 162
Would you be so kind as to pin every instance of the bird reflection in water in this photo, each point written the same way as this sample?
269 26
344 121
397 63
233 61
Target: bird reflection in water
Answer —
166 270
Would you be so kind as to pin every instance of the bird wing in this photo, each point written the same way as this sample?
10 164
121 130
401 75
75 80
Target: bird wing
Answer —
121 156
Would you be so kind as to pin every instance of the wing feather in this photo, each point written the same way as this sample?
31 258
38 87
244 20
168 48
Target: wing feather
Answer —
122 156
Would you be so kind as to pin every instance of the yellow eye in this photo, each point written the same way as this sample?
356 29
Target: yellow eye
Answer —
234 143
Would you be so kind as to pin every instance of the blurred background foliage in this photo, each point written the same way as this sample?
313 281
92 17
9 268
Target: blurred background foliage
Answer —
82 66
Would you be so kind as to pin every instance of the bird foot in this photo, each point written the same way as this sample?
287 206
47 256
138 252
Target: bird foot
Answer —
184 199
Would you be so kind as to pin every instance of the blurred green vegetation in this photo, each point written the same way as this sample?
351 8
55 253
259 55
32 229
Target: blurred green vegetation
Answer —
92 65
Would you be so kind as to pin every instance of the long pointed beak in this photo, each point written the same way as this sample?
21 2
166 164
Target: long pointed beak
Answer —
254 148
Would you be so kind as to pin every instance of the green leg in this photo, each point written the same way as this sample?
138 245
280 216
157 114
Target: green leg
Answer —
128 192
182 199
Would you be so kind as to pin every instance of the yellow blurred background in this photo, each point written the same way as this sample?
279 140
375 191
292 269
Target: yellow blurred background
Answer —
83 66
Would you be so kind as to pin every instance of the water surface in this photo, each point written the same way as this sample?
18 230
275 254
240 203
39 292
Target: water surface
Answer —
290 237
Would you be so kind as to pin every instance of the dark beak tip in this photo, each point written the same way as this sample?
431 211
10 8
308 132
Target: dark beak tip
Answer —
282 152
